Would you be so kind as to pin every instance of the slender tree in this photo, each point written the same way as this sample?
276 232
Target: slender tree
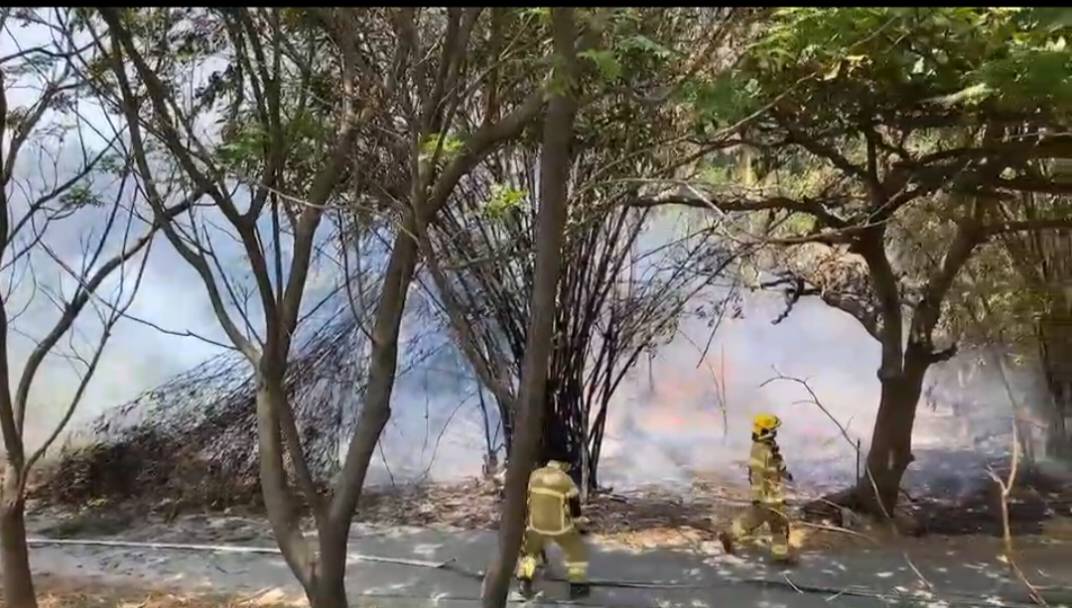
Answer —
618 297
554 169
390 82
48 191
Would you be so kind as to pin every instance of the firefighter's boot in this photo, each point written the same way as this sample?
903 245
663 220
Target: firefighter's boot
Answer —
526 588
783 558
579 590
727 542
781 553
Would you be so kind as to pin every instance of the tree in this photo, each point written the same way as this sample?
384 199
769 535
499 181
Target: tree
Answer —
399 149
85 187
1041 263
554 169
616 298
873 128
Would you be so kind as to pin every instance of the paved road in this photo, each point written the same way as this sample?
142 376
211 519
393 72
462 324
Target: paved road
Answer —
957 572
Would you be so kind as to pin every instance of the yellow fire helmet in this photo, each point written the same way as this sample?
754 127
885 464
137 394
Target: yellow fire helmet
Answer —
765 424
561 465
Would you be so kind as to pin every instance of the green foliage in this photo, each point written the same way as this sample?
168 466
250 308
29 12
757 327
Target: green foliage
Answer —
830 64
79 196
111 163
717 175
449 146
540 13
629 51
723 100
798 224
639 43
605 61
245 146
305 131
504 199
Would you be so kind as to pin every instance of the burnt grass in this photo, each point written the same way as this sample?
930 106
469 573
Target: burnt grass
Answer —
110 485
976 510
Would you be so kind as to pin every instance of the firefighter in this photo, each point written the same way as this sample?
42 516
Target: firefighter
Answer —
554 504
766 473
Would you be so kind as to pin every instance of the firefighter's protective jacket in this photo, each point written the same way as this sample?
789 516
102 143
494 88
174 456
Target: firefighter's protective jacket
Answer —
550 492
766 471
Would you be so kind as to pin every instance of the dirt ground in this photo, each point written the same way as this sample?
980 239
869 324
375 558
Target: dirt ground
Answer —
640 519
92 596
644 517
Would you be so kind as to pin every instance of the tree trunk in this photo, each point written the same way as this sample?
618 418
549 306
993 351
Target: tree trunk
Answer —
891 441
1058 440
329 595
551 221
329 590
329 585
14 554
278 500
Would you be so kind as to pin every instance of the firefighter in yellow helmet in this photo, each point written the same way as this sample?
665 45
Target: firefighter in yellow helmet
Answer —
554 504
766 473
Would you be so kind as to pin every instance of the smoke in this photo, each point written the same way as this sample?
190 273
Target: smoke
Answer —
674 406
666 424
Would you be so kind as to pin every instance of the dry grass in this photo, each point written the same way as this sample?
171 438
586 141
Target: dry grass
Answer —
86 597
644 518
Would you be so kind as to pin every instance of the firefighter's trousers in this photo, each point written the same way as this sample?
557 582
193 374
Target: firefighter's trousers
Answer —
572 546
771 514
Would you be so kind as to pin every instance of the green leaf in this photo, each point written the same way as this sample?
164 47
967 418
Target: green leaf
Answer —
1052 18
539 12
80 195
503 200
111 163
246 145
449 147
726 99
605 62
640 42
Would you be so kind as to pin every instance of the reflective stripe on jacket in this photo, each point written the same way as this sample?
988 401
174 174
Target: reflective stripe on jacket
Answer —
550 490
765 472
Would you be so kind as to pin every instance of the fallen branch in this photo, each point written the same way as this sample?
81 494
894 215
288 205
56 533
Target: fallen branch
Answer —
814 400
919 574
791 584
1006 487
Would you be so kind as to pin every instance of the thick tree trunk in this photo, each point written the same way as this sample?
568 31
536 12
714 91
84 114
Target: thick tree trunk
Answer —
329 585
891 441
14 554
551 221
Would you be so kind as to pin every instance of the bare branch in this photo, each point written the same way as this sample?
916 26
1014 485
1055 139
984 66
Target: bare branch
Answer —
812 207
814 400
